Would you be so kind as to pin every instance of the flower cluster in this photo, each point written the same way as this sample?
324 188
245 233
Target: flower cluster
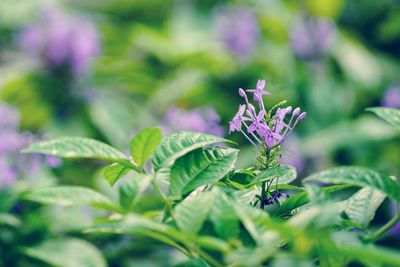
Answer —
237 28
204 120
261 127
61 40
12 163
312 38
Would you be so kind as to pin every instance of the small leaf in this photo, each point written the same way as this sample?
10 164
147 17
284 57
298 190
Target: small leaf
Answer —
361 177
301 198
286 174
79 147
361 207
391 115
131 189
67 196
191 213
114 172
200 167
67 252
144 144
178 144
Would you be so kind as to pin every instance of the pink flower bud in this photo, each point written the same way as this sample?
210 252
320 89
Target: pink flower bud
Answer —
302 115
242 93
296 112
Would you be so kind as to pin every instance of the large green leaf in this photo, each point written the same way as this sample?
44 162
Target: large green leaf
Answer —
369 255
200 167
191 213
178 144
286 174
144 143
68 195
361 207
114 172
140 225
67 252
359 176
223 216
256 221
391 115
79 147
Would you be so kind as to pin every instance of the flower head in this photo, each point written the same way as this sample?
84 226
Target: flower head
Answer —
237 28
59 39
264 130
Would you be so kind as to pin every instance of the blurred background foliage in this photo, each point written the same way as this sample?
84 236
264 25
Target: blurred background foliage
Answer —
106 69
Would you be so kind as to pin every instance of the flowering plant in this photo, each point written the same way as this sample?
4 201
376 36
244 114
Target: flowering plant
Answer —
210 210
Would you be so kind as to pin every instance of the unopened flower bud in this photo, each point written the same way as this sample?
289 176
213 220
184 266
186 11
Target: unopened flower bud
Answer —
302 115
296 111
242 93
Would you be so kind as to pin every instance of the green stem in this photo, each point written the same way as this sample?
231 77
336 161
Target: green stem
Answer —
209 259
164 197
263 195
385 228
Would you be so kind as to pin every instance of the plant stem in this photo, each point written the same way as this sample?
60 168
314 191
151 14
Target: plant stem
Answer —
263 195
385 228
263 185
164 197
208 258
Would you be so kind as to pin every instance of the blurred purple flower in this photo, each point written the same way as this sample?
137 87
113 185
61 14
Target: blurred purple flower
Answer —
12 163
291 153
237 28
391 99
204 120
61 40
312 38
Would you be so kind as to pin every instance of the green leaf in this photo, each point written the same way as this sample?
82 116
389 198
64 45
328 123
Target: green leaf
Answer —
112 173
369 254
191 213
67 252
79 147
359 176
10 220
391 115
223 216
301 198
144 144
67 196
131 189
178 144
256 221
361 207
286 175
140 225
200 167
197 262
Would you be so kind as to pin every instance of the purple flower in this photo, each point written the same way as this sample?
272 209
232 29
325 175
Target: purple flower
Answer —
259 91
204 120
237 28
236 123
312 38
269 131
59 39
13 164
391 99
